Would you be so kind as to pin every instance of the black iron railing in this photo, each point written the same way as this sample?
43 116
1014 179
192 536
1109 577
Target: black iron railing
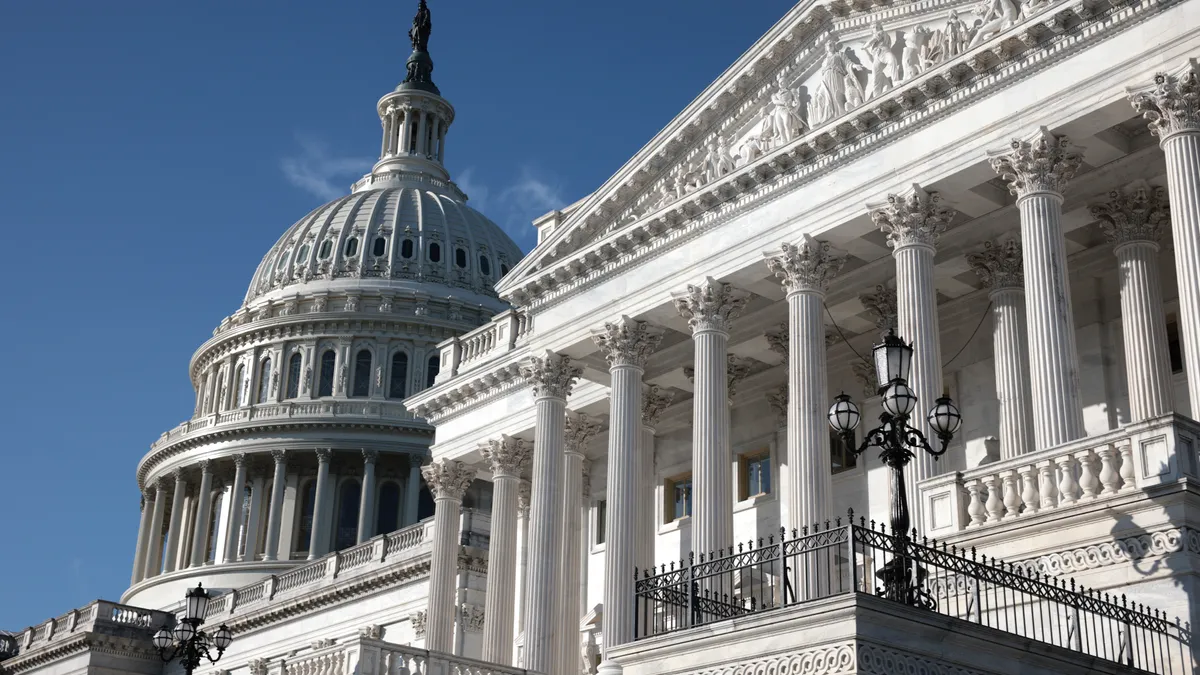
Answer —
861 557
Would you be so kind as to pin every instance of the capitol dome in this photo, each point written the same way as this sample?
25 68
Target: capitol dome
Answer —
300 445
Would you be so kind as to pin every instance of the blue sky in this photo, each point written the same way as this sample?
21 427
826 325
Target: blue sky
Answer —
152 152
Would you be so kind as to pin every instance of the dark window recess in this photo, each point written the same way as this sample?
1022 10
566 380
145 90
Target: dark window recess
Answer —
379 247
352 246
328 360
843 457
432 370
293 381
388 518
362 373
398 383
345 534
435 253
326 249
485 266
503 269
1173 347
460 257
601 521
406 248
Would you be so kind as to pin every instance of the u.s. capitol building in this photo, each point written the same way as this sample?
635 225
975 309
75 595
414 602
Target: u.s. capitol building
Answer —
416 451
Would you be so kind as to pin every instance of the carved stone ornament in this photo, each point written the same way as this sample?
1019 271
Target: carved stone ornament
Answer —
370 456
471 617
323 643
324 455
448 478
258 666
807 265
779 341
506 455
914 219
882 305
1173 104
524 495
580 430
371 631
280 457
999 264
418 624
865 374
654 401
1136 215
551 375
1044 163
627 342
711 305
778 400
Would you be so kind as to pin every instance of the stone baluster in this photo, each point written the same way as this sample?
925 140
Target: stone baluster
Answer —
709 307
1068 486
366 508
237 496
1133 224
1012 495
1037 171
913 223
1089 481
175 527
1128 477
580 429
1047 488
318 541
139 552
203 514
275 512
1031 498
154 540
1110 480
995 502
508 458
626 344
975 508
448 480
805 269
654 401
1172 109
999 267
552 377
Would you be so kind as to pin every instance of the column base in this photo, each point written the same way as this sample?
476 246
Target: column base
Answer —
608 668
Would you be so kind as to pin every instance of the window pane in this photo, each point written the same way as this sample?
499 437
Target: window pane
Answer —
388 516
485 266
683 498
293 383
431 371
406 248
362 373
346 534
398 383
435 253
328 360
326 249
460 257
351 247
264 380
379 247
303 257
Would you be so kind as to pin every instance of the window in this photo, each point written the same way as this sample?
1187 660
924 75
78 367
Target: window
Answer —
328 361
1173 349
435 252
326 249
239 376
293 381
388 515
460 257
362 373
601 522
503 269
279 265
754 475
842 457
303 257
379 247
346 533
406 248
679 497
432 369
307 504
264 380
485 266
398 382
351 247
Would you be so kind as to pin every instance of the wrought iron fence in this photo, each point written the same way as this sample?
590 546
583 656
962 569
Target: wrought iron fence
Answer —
861 557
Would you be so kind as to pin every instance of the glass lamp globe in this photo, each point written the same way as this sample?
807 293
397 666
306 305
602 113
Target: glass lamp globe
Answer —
843 414
196 607
184 631
899 399
893 359
944 417
223 637
162 638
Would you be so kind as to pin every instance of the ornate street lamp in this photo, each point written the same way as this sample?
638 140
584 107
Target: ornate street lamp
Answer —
186 641
898 444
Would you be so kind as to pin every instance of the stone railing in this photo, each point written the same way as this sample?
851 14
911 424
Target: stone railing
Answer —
88 618
360 654
499 336
1098 468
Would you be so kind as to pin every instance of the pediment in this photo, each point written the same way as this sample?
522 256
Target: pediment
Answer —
823 74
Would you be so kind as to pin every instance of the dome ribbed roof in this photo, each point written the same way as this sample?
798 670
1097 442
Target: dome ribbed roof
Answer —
400 233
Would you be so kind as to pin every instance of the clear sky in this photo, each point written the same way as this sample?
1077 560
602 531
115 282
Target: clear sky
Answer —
151 152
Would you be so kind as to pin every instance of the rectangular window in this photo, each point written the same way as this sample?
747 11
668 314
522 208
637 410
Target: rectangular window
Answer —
678 497
842 456
754 475
601 521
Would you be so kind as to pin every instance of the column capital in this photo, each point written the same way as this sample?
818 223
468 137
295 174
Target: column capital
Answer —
370 456
179 474
1042 163
807 265
1172 104
239 459
324 455
448 478
524 496
162 484
882 304
280 456
626 342
711 305
779 341
551 374
915 218
999 264
654 401
147 494
580 430
205 466
507 456
1138 214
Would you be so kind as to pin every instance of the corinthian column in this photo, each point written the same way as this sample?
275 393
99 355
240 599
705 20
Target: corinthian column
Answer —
1172 107
913 222
154 542
709 307
139 553
1133 224
999 267
448 481
237 497
175 528
524 496
318 540
275 512
366 505
580 431
508 457
805 270
626 344
1037 172
552 376
654 401
200 537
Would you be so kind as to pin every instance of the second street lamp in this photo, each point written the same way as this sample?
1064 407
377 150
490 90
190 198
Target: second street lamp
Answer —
186 641
898 443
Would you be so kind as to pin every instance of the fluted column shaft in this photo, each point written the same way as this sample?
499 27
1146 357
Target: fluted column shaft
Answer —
508 457
523 499
366 507
154 542
1009 331
275 512
175 528
237 495
622 494
203 515
809 464
448 480
139 552
712 477
1147 359
917 321
318 541
571 556
644 549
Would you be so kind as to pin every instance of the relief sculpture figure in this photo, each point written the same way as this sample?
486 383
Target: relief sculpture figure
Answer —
997 15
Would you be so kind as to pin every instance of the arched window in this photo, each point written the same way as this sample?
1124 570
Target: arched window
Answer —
398 381
326 249
432 369
379 247
485 266
264 380
346 533
307 504
503 269
293 381
460 257
406 248
387 518
435 252
328 360
239 383
362 373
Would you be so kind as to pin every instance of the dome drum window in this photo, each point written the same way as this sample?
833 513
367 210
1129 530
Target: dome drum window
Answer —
435 252
406 249
460 257
303 256
326 249
379 247
351 247
485 266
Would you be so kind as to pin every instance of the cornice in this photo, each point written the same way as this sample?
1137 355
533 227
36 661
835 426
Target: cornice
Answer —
1032 45
90 641
472 389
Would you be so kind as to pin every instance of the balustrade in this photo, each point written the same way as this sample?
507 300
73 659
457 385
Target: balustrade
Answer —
499 336
100 612
386 410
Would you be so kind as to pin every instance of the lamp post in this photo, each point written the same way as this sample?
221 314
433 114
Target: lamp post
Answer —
898 444
186 641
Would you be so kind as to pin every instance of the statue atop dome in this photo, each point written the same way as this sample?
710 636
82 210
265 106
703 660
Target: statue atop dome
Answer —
422 26
420 66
